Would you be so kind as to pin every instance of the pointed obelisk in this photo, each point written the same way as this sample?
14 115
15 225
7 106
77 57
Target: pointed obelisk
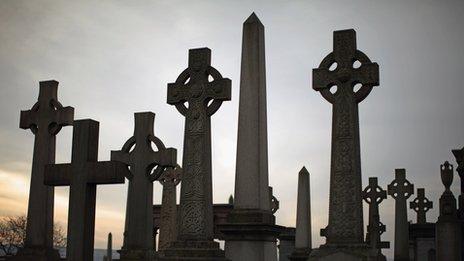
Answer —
109 249
251 232
303 219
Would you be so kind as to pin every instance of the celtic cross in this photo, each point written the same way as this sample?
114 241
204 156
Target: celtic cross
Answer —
421 205
146 165
197 94
340 70
374 195
45 120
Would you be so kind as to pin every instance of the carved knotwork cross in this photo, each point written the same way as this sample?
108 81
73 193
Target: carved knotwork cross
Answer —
400 188
421 205
345 68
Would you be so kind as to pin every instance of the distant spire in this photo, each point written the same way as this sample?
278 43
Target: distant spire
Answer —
253 19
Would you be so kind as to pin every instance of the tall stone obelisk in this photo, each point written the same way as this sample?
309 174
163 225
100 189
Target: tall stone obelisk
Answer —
251 232
303 219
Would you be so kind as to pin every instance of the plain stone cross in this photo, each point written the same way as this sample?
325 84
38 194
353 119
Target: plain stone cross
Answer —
146 166
345 217
204 97
170 178
374 195
45 120
83 175
421 205
401 189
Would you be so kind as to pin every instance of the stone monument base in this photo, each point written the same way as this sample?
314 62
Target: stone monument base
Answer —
300 254
350 252
137 254
192 250
36 254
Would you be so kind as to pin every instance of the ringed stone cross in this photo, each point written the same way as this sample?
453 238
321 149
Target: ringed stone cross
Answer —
421 205
374 195
204 97
83 175
401 189
45 120
345 215
146 166
170 178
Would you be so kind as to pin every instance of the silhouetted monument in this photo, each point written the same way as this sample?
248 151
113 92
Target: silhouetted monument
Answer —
45 119
336 79
421 205
401 189
286 243
303 242
83 175
197 99
448 227
170 178
109 249
251 232
373 194
459 156
146 166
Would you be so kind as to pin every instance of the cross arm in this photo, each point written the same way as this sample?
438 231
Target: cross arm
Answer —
177 93
220 89
322 79
65 116
27 119
58 174
107 172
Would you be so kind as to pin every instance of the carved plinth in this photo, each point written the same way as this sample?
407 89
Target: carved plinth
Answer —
193 250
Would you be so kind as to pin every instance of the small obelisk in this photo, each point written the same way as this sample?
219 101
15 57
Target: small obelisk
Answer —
303 219
109 248
251 232
448 238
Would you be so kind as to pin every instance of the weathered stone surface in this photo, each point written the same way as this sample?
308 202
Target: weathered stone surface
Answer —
421 205
448 227
146 166
303 242
401 189
204 97
170 178
83 175
251 232
45 120
374 195
345 215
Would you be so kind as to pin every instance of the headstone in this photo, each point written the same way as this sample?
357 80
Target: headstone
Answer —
336 79
286 243
83 175
401 189
421 205
197 98
251 231
146 166
170 178
303 242
45 120
448 227
374 195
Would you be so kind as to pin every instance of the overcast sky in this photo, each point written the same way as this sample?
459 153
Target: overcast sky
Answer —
114 58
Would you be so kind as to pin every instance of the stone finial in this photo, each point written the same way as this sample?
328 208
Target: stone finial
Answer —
447 175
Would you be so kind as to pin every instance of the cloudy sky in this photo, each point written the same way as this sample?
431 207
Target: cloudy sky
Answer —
114 58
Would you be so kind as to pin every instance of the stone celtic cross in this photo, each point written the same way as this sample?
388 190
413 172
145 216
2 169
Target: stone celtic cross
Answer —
197 98
345 215
83 175
146 165
45 120
374 195
421 205
401 189
170 178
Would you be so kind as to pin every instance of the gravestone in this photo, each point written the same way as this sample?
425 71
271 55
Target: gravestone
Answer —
251 231
197 98
146 166
448 227
170 178
303 242
401 189
374 195
83 175
337 79
45 120
421 205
